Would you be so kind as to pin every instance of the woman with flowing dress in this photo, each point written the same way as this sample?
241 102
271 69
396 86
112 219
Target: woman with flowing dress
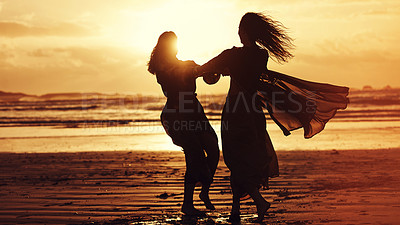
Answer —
247 149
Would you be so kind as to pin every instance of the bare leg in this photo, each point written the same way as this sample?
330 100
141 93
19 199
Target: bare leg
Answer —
190 183
205 197
188 195
235 212
210 145
261 203
187 206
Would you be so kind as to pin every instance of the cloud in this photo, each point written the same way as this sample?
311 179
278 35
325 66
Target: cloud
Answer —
14 29
344 62
102 69
349 42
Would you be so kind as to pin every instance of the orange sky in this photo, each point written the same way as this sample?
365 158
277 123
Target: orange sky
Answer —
103 46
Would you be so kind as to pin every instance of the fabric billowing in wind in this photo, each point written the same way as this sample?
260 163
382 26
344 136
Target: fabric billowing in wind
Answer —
295 103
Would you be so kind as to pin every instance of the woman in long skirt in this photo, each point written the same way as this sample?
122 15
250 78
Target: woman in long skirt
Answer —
246 146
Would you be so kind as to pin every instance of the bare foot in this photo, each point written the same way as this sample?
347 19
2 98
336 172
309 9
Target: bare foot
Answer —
191 211
207 202
262 210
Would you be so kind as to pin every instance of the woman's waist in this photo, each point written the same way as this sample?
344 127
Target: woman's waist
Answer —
187 105
243 103
183 96
171 114
243 97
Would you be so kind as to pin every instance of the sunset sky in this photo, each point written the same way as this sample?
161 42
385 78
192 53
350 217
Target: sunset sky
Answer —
103 46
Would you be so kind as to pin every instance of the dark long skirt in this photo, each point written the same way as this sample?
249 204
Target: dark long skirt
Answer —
192 131
246 146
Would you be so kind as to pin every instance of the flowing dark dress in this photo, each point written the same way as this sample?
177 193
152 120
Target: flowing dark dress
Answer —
246 146
292 103
184 120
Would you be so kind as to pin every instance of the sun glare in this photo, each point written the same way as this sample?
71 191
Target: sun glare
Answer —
201 29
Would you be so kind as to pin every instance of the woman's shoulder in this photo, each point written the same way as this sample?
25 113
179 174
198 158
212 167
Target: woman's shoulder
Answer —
234 49
231 51
188 63
258 51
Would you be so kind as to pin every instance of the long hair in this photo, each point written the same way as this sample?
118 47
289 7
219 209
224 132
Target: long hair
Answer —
268 34
158 55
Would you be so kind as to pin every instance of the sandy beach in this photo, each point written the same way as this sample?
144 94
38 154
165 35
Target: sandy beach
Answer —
315 187
97 98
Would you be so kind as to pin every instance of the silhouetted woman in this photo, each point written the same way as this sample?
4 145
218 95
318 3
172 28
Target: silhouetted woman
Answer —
246 146
184 120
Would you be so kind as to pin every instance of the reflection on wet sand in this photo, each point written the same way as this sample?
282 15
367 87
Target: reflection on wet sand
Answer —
330 187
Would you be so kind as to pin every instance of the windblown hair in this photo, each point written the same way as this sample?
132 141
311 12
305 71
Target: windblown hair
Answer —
157 56
269 34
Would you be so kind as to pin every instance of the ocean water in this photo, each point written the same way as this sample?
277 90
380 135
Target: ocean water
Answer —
100 122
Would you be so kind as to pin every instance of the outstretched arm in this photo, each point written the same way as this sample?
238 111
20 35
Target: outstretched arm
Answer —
217 65
182 70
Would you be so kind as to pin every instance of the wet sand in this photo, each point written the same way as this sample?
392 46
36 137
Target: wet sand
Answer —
315 187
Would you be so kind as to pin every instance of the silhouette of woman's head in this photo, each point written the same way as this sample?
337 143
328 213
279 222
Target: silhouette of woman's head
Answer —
256 28
165 51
